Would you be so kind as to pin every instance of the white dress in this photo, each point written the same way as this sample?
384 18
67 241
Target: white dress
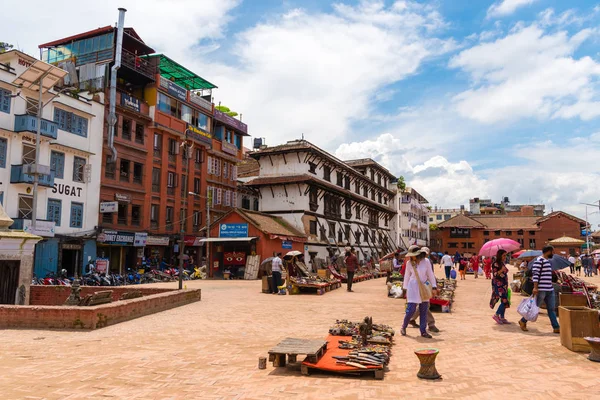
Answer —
411 285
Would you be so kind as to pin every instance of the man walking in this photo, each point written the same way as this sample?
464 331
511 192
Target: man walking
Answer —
572 264
351 265
543 291
447 262
276 265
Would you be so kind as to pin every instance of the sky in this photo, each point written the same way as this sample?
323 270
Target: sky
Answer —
486 98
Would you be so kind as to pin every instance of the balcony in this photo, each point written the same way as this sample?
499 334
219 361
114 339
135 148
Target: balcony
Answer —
28 123
18 176
137 64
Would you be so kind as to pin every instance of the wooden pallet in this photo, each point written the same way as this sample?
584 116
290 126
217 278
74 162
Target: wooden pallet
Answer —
291 347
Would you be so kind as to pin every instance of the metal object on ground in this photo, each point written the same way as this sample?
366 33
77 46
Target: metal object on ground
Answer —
594 343
427 359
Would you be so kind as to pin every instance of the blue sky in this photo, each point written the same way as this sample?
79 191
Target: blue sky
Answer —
464 98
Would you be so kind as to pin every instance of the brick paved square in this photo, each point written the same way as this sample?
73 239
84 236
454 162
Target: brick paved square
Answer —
210 350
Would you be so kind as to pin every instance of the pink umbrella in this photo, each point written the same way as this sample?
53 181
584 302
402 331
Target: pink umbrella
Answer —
490 248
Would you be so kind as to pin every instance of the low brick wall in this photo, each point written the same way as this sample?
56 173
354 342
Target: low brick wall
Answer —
41 295
87 318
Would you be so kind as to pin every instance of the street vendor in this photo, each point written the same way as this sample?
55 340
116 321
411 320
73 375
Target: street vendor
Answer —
397 262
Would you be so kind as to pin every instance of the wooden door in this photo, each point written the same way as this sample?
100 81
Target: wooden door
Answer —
9 281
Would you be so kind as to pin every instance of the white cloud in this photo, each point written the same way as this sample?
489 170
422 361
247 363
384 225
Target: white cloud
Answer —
550 173
528 73
506 7
316 73
174 29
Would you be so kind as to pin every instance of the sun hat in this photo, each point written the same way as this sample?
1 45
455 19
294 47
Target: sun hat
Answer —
425 250
413 251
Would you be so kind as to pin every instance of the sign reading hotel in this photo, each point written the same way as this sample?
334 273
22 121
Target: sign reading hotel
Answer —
233 230
198 134
234 123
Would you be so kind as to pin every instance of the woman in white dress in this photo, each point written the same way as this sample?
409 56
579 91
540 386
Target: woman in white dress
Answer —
413 296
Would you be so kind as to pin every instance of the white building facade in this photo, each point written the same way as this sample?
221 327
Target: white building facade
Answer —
412 223
71 147
334 202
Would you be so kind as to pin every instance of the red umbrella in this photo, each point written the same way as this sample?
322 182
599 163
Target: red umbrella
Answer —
518 253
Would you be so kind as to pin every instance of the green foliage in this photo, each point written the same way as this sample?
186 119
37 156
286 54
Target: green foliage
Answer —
401 184
433 227
227 111
5 47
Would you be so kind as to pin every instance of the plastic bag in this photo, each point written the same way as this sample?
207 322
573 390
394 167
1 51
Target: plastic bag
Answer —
453 274
529 309
509 296
480 271
396 291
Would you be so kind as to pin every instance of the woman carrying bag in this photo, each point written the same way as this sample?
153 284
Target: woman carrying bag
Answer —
419 283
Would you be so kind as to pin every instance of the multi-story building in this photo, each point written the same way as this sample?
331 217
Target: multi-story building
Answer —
169 152
70 150
411 225
439 215
332 201
466 234
488 207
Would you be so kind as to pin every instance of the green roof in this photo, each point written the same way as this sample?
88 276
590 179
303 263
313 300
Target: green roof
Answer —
179 74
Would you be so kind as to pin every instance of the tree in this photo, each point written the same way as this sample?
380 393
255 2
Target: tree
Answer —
4 47
401 184
227 111
433 227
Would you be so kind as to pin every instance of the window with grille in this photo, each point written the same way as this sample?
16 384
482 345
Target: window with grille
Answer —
5 99
57 164
76 215
122 214
124 170
139 133
225 170
154 215
3 151
331 229
169 218
70 122
313 227
78 169
28 154
157 145
197 185
156 180
136 215
233 172
227 198
219 196
138 172
233 199
126 129
54 211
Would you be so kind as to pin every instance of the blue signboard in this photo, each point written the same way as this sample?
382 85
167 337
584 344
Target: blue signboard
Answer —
177 91
286 244
130 102
233 230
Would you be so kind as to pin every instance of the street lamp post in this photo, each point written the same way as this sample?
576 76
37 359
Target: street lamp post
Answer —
587 224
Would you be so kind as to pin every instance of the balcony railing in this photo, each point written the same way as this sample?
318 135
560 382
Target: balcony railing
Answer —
140 65
28 123
18 176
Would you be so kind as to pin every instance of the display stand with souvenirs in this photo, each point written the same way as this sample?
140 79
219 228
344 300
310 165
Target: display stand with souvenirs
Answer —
300 280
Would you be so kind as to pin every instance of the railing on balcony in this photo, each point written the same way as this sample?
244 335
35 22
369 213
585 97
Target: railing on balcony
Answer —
25 122
140 65
18 176
200 101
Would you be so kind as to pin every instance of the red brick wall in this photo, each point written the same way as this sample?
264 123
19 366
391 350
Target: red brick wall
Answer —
57 295
57 317
557 227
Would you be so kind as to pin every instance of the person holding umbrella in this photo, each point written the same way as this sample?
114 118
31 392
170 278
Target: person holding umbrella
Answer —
543 290
500 288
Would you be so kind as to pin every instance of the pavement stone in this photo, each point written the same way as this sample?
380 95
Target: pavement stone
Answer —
210 350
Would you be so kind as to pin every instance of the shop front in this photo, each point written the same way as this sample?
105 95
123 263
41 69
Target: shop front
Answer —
122 250
242 233
157 248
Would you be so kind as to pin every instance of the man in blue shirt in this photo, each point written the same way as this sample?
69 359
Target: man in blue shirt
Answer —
543 290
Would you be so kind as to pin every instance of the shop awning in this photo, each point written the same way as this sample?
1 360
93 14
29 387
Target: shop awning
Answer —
239 239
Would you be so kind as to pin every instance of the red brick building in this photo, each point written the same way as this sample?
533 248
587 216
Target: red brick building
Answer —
169 141
265 235
466 234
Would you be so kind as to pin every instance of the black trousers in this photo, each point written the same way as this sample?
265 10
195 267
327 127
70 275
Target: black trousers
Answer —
276 281
350 279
